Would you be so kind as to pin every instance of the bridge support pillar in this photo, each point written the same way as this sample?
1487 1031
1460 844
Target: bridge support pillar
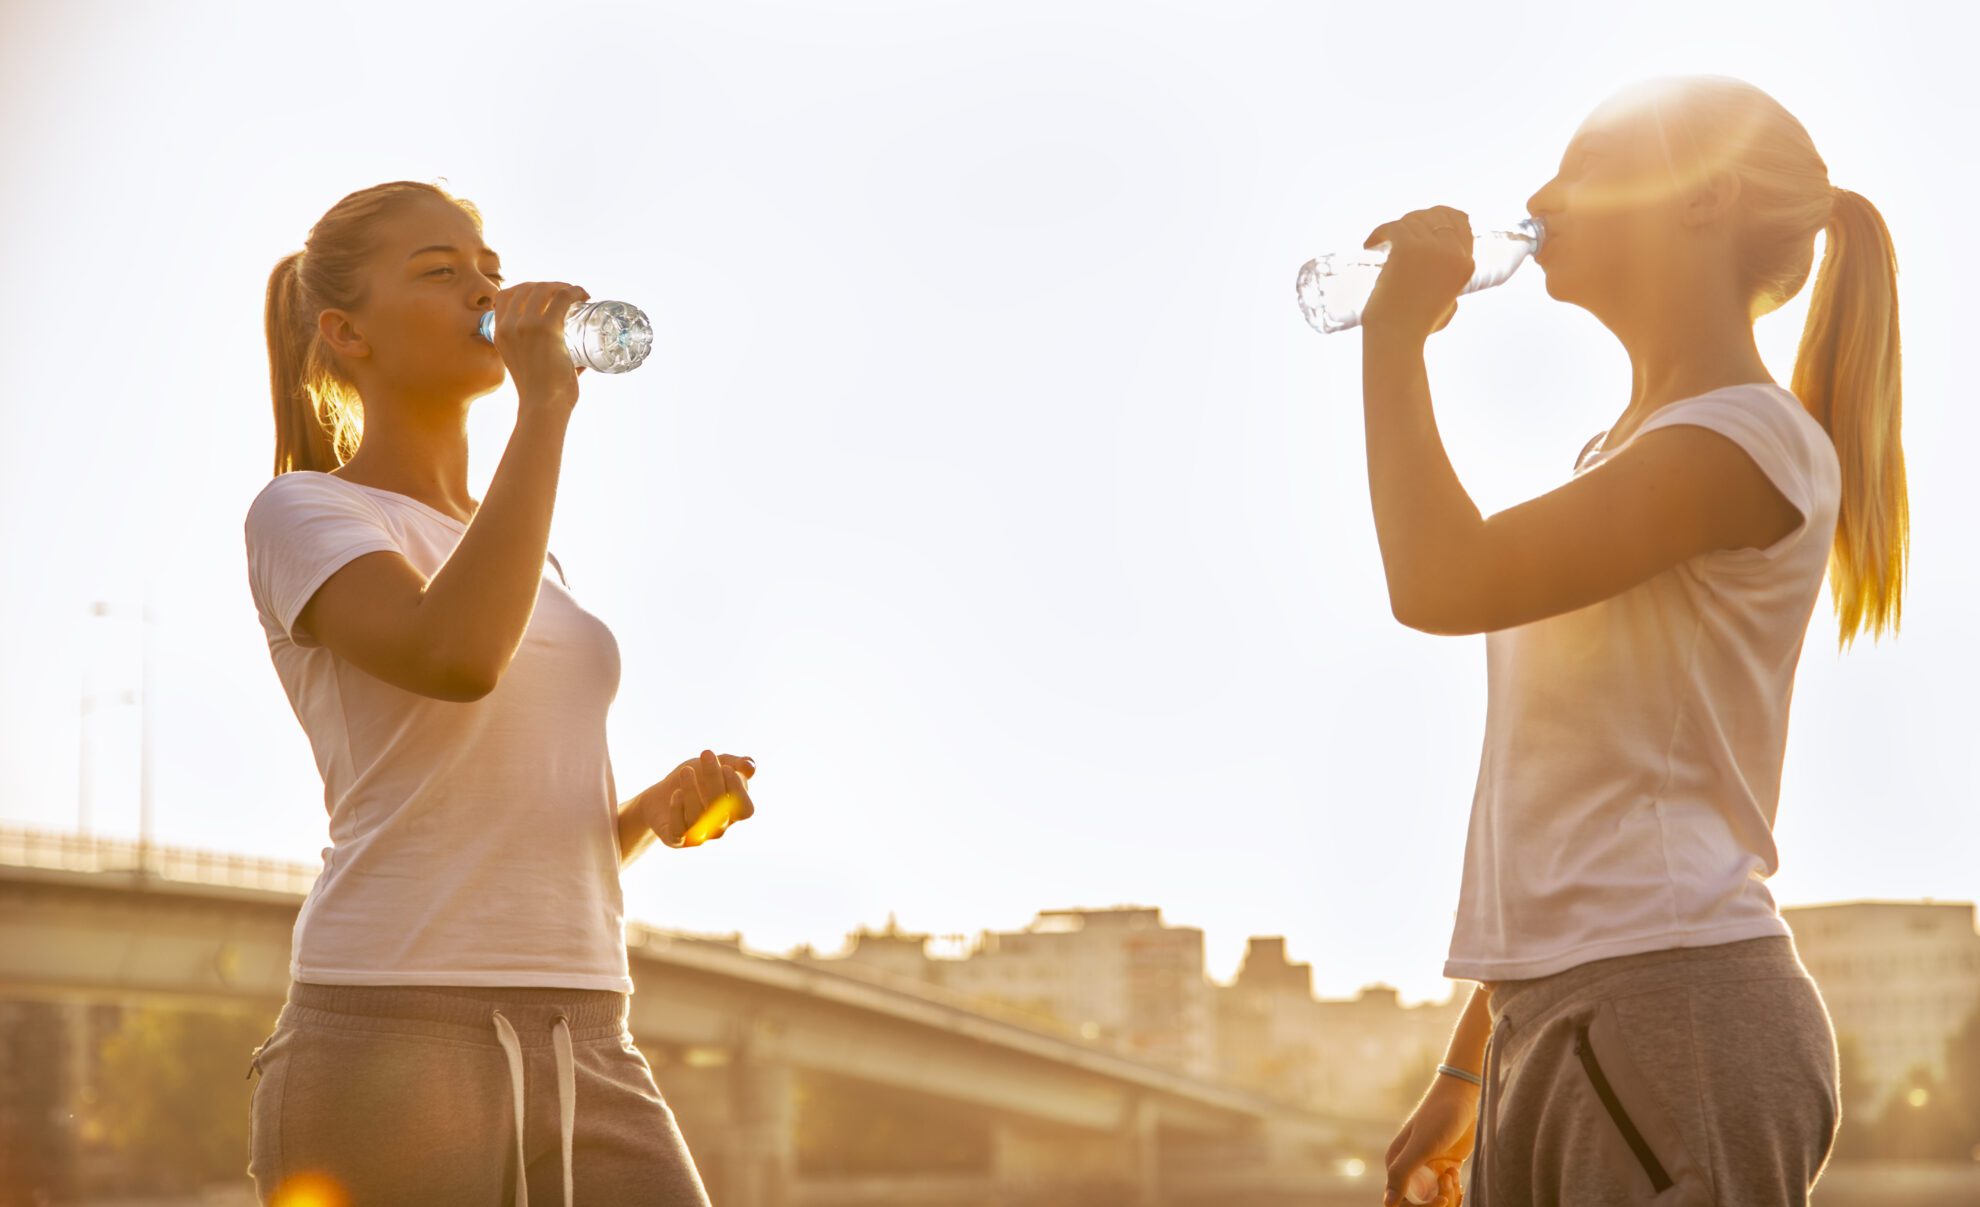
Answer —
1144 1151
762 1145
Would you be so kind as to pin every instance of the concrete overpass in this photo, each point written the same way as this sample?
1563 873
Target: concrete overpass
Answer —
730 1035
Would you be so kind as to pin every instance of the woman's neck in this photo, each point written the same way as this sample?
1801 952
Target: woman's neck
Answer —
424 462
1690 350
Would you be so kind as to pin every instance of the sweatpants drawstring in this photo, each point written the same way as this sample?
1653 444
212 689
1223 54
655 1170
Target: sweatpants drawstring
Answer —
1478 1192
560 1039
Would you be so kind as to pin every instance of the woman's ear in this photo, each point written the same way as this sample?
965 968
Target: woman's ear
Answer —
1713 198
334 328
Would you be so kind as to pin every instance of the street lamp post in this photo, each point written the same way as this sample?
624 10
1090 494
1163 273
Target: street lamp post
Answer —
144 748
88 705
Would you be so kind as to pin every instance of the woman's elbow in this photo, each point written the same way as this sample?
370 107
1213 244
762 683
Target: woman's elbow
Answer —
1436 620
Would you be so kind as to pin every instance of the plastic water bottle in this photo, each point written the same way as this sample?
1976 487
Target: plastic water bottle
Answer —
611 337
1422 1185
1334 288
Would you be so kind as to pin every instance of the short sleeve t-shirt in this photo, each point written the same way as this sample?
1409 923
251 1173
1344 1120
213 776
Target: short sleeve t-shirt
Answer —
1631 767
472 843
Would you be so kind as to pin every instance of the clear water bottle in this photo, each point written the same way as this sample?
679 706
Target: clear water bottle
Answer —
1334 288
611 337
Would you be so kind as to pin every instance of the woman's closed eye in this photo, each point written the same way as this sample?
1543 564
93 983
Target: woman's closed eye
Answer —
493 276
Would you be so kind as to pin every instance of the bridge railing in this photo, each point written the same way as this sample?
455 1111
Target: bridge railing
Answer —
63 851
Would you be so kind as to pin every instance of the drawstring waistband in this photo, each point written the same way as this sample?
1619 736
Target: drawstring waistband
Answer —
560 1038
462 1015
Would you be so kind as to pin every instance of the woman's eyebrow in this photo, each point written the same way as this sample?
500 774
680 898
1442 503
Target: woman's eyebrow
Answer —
486 251
1583 145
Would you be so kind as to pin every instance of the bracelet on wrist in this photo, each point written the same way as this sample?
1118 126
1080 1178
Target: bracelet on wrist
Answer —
1454 1071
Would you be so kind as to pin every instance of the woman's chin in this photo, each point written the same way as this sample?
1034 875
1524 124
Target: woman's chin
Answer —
480 385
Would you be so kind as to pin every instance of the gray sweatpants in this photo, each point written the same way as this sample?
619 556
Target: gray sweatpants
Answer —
1683 1077
376 1094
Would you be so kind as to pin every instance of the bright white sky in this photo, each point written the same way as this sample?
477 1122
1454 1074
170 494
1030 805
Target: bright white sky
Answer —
984 484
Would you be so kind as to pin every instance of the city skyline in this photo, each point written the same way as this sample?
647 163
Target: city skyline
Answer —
958 946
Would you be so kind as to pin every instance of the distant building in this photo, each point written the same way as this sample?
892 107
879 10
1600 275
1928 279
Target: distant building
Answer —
1356 1056
1374 1050
1266 1029
1117 976
1901 976
1123 978
893 951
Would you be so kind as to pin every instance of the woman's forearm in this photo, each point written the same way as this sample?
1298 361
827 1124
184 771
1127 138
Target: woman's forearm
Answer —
1474 1027
634 834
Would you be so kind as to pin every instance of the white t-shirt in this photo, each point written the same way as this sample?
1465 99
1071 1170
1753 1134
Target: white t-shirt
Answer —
471 843
1633 748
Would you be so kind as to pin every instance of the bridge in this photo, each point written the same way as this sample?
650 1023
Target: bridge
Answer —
731 1036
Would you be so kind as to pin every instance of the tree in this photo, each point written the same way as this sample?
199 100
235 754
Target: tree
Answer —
1963 1081
1856 1139
172 1098
1920 1121
1415 1077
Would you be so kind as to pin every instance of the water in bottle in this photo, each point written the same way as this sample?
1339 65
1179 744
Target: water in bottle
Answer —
1334 288
611 337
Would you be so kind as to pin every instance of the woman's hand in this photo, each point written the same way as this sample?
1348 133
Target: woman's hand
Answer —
1429 265
1439 1134
529 333
700 799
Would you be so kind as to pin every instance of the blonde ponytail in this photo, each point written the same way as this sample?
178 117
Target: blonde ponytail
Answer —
1846 373
306 437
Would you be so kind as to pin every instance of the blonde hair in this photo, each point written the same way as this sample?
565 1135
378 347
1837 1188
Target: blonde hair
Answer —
1846 370
319 417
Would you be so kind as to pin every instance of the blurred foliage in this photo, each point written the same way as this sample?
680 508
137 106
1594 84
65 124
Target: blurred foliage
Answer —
1855 1140
171 1096
1414 1081
1921 1116
1963 1081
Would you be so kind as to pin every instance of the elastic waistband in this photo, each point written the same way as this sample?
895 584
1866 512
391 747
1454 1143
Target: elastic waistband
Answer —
1762 958
459 1012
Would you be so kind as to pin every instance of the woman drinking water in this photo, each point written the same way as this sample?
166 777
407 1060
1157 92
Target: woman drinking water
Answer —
455 1030
1643 1029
